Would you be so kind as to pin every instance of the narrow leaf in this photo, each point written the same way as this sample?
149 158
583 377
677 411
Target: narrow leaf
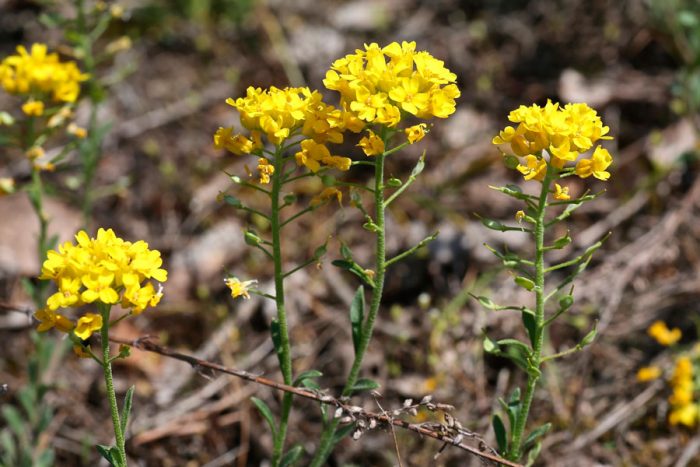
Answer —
266 413
530 324
365 384
535 435
233 201
343 432
310 374
276 336
501 437
126 410
292 456
357 316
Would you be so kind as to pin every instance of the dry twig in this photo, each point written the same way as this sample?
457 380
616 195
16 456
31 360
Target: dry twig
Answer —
447 434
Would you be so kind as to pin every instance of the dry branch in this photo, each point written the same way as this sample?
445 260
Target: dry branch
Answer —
447 434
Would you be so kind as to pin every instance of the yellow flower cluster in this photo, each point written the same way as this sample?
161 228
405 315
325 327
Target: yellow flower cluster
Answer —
281 113
663 335
381 84
40 74
564 133
684 410
104 269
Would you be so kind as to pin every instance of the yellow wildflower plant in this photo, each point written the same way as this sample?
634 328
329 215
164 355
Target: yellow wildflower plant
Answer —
38 73
663 335
381 84
106 270
555 136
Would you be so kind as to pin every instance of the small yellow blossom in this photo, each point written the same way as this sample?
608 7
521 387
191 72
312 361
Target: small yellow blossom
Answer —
122 43
116 10
684 415
663 335
648 373
60 117
33 108
266 169
326 195
313 154
519 216
76 131
43 166
534 168
596 165
49 319
684 410
372 145
87 324
237 144
238 288
561 193
415 133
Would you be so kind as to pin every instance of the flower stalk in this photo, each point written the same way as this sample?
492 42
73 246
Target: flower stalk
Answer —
106 363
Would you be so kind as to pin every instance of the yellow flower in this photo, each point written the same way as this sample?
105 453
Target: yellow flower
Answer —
76 131
648 373
563 132
415 133
663 335
519 216
237 144
535 168
33 108
37 71
104 269
313 154
87 324
377 83
266 169
561 193
238 288
326 195
50 319
684 415
372 145
596 165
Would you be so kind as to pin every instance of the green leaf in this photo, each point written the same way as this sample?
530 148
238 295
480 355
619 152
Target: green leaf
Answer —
126 410
533 454
309 374
501 437
364 384
14 420
357 317
233 201
487 303
320 252
516 351
346 253
343 432
525 283
511 161
111 453
535 435
8 453
292 456
45 459
530 324
513 191
266 413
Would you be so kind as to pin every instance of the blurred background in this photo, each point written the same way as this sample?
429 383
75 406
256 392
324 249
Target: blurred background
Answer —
637 62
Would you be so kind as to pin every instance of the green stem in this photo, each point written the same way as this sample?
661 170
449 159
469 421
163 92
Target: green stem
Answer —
515 449
109 382
327 437
284 352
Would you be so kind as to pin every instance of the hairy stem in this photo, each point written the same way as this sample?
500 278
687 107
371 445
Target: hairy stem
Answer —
327 437
515 449
109 382
284 352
